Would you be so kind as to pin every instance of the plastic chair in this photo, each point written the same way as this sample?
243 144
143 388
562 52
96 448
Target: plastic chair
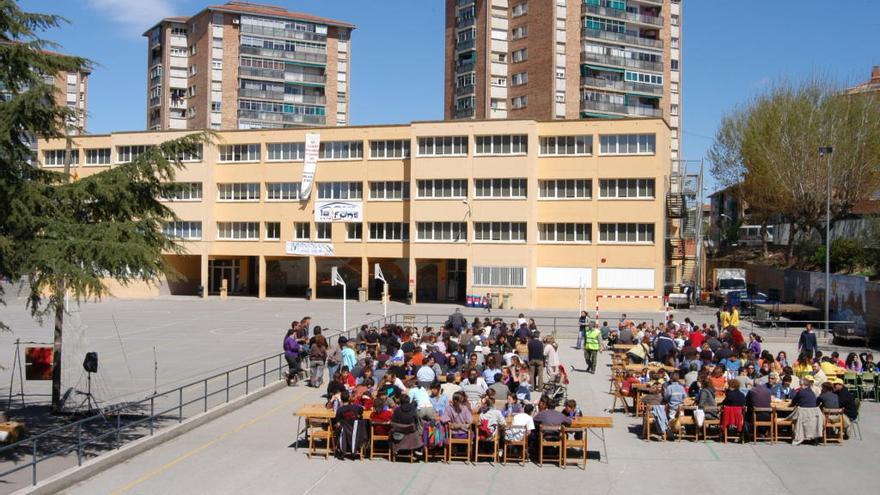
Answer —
550 437
833 421
868 387
852 382
375 439
758 424
574 438
452 442
511 433
320 431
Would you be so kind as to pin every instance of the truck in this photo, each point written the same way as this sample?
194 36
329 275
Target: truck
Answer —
725 280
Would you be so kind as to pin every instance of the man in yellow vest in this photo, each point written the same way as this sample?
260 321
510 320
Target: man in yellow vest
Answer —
592 342
725 318
734 317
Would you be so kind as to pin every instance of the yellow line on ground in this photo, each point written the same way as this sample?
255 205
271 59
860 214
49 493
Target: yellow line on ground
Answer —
183 457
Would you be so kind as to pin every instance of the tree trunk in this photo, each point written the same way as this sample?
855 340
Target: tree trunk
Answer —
56 348
792 235
764 250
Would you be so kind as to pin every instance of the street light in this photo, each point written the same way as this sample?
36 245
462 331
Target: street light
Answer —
826 152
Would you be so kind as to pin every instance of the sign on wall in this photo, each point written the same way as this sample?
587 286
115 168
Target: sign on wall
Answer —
339 211
309 248
313 145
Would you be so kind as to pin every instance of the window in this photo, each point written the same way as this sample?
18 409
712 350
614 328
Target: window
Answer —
520 55
517 144
286 152
238 231
673 109
323 231
301 231
55 158
519 78
191 156
389 231
674 20
500 276
341 150
520 31
499 81
500 231
442 188
565 232
465 80
565 189
193 70
185 191
282 191
178 31
500 188
191 231
521 9
441 231
519 102
125 154
389 190
443 145
99 156
628 144
192 91
673 87
674 64
273 231
340 190
178 52
626 232
599 24
354 231
216 106
465 103
240 153
673 42
654 79
626 188
398 148
238 191
566 145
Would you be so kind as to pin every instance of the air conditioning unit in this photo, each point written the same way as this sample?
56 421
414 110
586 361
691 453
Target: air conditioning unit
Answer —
236 21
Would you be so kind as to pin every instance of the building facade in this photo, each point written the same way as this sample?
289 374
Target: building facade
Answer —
564 59
553 214
245 66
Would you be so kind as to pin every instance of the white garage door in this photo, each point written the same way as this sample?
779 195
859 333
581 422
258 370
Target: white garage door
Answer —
626 278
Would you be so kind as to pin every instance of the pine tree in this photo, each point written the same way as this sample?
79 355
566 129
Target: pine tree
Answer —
67 237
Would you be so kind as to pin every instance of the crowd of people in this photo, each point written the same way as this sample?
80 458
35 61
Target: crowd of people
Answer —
723 369
487 372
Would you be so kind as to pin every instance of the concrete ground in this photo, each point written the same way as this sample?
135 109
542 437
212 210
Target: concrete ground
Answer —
252 450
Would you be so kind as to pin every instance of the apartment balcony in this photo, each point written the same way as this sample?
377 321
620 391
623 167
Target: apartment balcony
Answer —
295 77
461 23
616 108
300 56
624 86
155 101
261 94
624 15
464 68
464 113
283 33
286 118
461 46
627 37
465 90
462 3
305 99
622 62
299 77
261 73
658 3
155 81
177 104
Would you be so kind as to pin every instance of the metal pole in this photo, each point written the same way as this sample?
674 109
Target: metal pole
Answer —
227 386
385 300
826 151
206 394
79 444
247 379
34 463
152 412
345 308
180 405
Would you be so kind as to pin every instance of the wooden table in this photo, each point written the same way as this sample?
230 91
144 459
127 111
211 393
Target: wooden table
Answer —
622 347
638 368
592 423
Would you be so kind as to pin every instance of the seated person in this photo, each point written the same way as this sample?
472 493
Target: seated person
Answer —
458 416
828 399
512 406
474 387
571 409
524 419
549 416
381 414
492 418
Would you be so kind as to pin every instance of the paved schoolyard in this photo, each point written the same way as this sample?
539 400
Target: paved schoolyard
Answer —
252 450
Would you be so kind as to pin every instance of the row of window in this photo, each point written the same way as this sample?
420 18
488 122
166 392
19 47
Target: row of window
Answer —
517 144
428 188
514 232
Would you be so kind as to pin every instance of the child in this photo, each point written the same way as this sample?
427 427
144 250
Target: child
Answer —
571 409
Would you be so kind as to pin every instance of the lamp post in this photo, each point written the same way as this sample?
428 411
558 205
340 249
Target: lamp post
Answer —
826 152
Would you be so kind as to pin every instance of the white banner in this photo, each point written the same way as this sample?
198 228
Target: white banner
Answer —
339 211
313 144
309 248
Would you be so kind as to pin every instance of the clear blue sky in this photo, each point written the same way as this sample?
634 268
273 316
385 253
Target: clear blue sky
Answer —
732 49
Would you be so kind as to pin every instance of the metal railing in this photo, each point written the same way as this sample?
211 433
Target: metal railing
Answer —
545 324
621 85
603 106
283 33
290 118
621 61
300 56
628 37
622 14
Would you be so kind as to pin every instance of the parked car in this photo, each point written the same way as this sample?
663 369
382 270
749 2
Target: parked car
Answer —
746 301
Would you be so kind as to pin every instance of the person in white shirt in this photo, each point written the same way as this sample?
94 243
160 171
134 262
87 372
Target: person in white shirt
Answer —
474 388
450 387
521 320
422 400
551 359
521 419
425 374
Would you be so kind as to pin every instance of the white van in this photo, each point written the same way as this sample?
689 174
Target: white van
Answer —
750 235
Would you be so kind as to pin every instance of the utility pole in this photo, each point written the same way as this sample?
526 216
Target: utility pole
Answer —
826 151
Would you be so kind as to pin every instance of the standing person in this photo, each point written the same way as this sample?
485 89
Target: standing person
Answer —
317 358
582 329
334 359
734 317
536 361
291 354
807 343
349 357
723 318
457 320
592 342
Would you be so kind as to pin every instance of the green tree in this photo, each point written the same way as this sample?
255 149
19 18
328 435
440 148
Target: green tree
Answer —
67 237
770 146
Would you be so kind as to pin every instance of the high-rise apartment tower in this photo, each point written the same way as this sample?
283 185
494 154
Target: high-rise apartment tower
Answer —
242 66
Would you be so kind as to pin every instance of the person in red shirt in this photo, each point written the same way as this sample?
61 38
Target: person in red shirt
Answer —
381 414
736 337
627 383
697 338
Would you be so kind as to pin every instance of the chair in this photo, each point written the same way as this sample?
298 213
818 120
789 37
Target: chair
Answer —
511 433
833 421
491 443
708 425
854 423
684 421
550 437
619 396
319 431
782 421
852 382
452 442
732 416
410 443
648 423
375 439
574 438
868 387
758 424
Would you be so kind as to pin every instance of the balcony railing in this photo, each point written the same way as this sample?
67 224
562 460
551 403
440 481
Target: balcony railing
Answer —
607 107
280 74
304 78
621 62
460 23
622 14
283 33
627 37
287 118
261 94
464 45
620 85
463 113
317 58
464 90
155 101
465 67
